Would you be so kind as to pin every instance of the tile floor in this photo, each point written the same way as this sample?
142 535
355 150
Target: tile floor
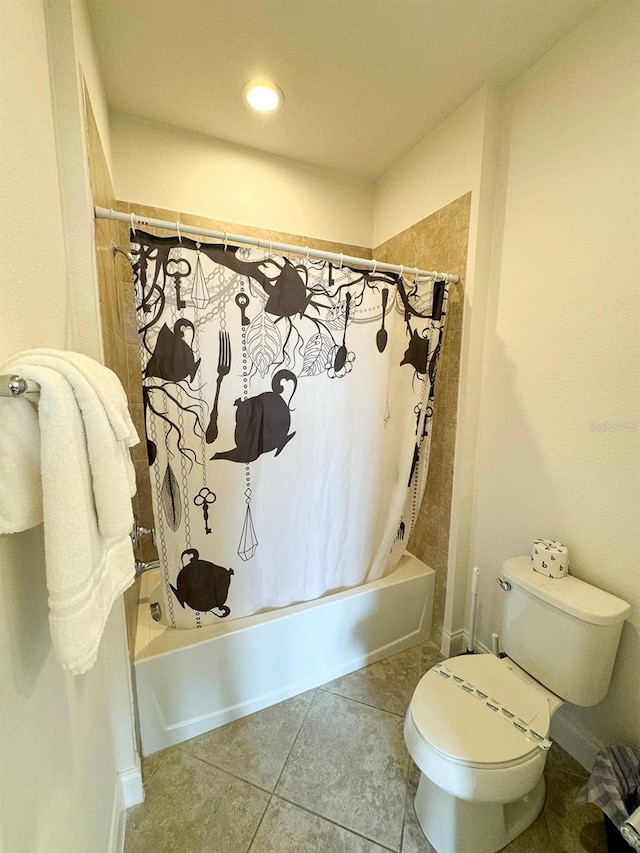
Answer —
324 772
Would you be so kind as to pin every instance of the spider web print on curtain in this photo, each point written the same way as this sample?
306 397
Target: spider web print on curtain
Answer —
288 410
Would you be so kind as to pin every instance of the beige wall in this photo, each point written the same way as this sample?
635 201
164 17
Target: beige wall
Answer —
562 347
30 204
173 169
87 59
445 165
59 790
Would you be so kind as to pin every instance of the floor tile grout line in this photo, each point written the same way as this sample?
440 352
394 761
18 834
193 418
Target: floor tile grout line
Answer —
321 816
339 825
406 799
418 673
253 837
211 763
546 821
295 740
160 763
362 702
224 770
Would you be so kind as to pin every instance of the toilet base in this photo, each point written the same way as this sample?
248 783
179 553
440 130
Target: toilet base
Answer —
452 825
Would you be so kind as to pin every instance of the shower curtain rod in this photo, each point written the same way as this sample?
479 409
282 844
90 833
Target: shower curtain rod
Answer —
134 220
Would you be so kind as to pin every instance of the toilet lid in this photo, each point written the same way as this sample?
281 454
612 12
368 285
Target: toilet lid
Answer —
462 725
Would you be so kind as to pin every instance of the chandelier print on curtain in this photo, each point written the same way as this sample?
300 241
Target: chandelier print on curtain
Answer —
287 407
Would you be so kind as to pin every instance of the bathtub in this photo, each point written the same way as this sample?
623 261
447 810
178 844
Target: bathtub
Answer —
191 681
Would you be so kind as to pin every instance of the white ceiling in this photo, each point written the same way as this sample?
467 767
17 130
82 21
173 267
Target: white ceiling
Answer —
364 80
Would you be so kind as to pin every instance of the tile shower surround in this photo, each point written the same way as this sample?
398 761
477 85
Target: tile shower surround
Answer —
325 772
438 242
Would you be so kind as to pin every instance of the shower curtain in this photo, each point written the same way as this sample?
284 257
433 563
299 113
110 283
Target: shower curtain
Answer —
288 408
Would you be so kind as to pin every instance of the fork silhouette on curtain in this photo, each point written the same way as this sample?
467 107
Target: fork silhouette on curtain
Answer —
224 366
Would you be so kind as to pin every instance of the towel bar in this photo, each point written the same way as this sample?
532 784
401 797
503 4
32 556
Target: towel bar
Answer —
16 386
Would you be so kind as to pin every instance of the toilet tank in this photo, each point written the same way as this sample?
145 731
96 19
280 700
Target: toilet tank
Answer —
562 631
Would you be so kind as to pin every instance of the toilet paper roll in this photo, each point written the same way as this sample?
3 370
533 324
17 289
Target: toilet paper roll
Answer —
550 558
630 829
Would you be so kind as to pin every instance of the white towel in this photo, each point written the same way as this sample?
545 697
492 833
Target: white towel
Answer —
86 488
107 386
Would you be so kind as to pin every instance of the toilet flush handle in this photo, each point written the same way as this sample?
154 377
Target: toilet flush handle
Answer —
506 586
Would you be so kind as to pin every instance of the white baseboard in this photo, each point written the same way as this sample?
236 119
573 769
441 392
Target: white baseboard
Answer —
131 785
118 821
565 731
128 791
451 643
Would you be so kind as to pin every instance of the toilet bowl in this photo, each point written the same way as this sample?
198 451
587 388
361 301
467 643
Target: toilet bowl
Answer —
477 731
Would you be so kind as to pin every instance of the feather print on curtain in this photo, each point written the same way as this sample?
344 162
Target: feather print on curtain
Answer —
288 413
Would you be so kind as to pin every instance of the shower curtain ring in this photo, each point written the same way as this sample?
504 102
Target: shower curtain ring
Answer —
415 276
341 260
270 248
226 240
178 230
133 223
374 268
401 270
308 250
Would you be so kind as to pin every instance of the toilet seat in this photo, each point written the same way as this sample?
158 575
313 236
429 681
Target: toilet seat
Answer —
451 719
466 747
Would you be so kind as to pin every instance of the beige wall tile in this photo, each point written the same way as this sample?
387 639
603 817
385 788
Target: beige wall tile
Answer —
145 509
130 322
131 599
134 375
438 242
137 415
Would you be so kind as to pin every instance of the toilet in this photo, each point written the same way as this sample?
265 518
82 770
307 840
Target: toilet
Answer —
478 726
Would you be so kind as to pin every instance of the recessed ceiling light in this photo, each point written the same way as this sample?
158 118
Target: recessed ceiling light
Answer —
262 97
